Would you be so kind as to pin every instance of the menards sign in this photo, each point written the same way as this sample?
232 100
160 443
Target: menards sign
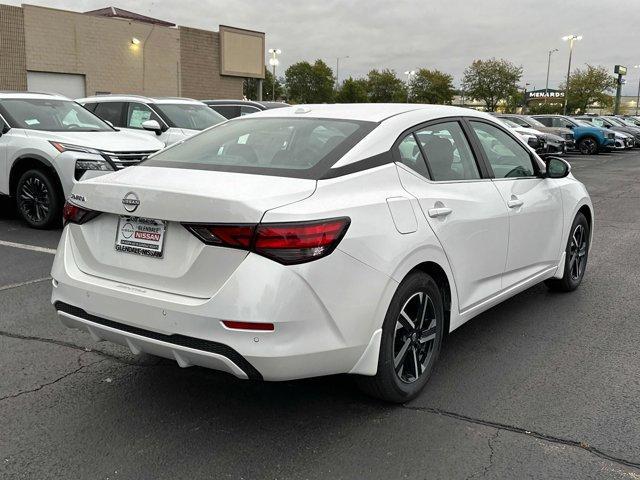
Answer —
542 94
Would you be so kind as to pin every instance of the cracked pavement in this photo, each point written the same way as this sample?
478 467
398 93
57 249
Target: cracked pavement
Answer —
543 386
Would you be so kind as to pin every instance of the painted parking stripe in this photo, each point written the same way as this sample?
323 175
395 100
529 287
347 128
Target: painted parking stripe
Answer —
22 284
24 246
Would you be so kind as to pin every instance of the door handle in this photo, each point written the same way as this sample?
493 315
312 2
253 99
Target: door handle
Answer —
439 212
515 203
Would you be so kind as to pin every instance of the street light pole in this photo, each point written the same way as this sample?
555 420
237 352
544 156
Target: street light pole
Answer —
571 38
409 74
274 62
338 70
546 85
638 97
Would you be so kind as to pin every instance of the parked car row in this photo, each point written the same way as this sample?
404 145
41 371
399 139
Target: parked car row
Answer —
588 134
48 142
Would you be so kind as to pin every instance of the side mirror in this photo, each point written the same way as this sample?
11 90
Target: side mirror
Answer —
557 167
570 126
152 126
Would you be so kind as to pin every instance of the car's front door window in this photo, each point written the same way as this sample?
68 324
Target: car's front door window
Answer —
138 113
507 157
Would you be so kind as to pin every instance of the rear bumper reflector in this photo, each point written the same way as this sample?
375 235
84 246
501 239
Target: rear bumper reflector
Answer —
176 339
255 326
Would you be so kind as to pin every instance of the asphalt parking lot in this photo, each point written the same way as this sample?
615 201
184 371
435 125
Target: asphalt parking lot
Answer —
544 386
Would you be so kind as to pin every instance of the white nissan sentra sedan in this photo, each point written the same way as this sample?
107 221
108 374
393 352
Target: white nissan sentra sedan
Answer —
318 240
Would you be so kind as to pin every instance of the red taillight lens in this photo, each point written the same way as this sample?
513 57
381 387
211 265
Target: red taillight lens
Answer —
291 243
74 214
236 236
287 243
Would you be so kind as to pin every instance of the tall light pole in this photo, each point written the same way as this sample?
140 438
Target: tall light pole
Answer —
409 74
274 62
338 69
571 39
546 85
638 97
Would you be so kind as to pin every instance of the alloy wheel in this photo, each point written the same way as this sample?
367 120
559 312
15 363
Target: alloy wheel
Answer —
414 337
578 252
34 198
588 146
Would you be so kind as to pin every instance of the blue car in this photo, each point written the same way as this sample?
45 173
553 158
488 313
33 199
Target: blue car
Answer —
589 139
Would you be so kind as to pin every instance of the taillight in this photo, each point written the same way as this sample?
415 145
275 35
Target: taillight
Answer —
72 213
286 243
291 243
236 236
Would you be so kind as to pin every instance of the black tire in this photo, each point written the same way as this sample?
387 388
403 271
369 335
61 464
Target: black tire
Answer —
393 384
38 199
588 146
575 262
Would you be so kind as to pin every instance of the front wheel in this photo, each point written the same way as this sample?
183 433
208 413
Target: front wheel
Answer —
411 340
588 146
576 255
38 200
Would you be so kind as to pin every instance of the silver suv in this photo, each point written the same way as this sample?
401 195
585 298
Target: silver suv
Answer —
169 119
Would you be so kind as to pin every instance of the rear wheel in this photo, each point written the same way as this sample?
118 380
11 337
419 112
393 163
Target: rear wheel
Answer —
411 340
38 200
576 255
588 146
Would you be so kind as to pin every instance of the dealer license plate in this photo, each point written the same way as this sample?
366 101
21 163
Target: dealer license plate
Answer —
141 236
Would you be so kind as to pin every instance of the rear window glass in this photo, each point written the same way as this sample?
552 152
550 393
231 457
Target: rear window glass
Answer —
298 147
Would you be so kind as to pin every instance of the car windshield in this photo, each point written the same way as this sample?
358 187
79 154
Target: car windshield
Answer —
534 123
615 121
510 123
189 115
298 147
51 115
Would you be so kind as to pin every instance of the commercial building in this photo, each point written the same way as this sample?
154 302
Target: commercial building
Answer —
116 51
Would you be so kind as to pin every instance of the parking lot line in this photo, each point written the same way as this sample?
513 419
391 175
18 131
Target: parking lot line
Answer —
33 248
22 284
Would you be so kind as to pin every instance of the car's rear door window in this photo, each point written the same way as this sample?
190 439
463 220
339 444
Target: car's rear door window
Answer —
411 155
448 153
111 112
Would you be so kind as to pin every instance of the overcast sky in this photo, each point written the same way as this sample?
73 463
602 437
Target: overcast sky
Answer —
408 34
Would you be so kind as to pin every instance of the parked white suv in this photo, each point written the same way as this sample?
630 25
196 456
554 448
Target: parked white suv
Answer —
48 143
169 119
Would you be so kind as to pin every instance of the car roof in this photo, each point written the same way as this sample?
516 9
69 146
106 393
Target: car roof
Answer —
137 98
38 95
369 112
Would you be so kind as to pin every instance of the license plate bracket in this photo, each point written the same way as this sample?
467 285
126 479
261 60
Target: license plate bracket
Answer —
141 236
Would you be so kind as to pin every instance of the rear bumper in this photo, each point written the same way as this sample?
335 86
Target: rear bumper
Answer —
325 315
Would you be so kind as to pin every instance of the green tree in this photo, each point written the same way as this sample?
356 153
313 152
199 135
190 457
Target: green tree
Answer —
250 88
588 86
491 81
307 83
385 87
352 91
432 86
514 100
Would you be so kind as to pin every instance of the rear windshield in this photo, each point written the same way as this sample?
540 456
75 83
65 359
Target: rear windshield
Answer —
296 147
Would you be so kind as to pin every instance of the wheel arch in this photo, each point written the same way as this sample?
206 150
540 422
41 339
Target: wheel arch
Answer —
432 260
28 162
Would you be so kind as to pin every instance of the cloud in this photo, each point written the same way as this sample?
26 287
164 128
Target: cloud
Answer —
404 34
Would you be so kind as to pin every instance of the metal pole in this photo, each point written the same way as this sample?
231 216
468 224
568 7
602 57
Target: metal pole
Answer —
546 85
566 87
638 97
273 85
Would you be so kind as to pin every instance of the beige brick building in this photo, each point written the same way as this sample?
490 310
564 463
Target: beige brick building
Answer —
116 51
